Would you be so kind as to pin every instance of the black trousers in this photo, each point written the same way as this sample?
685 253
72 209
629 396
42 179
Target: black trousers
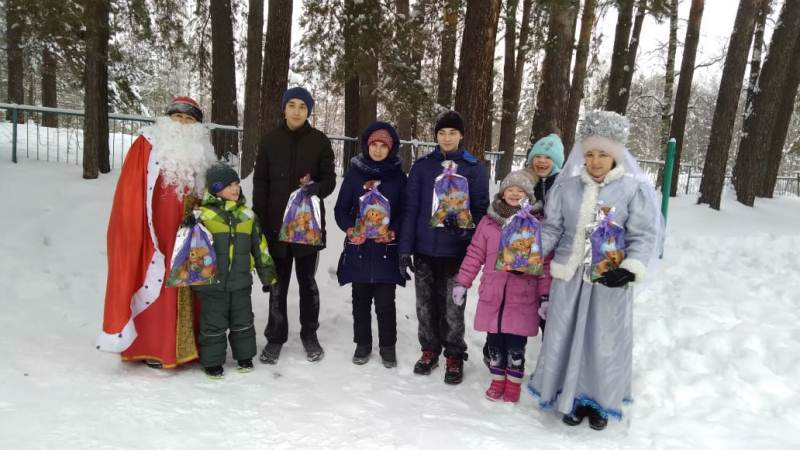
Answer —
506 351
383 294
441 322
277 331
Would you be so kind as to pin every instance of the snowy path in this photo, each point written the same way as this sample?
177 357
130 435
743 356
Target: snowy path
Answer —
717 350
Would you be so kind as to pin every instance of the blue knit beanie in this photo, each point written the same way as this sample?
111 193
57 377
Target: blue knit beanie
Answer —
551 147
298 93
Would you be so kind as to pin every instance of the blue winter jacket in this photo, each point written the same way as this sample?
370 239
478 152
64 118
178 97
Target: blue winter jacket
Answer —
371 262
418 235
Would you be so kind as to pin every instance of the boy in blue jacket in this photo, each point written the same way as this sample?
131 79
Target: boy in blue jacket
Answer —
371 264
437 252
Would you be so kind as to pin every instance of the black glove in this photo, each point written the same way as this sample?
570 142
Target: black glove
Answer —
189 220
265 289
451 227
615 278
406 264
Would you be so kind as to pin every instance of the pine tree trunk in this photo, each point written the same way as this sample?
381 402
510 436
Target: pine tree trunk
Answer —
750 170
275 75
730 87
223 78
669 81
781 126
619 58
756 52
368 59
684 90
49 87
551 103
407 36
16 73
509 113
633 47
95 124
252 86
351 85
447 57
578 75
475 74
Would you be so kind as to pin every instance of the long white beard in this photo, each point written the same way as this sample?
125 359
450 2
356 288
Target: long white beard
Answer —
184 154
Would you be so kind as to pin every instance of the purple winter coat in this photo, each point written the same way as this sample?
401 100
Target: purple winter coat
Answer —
515 296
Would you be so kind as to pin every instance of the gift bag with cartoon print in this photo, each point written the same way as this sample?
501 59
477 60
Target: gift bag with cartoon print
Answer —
520 244
301 220
374 213
194 262
451 198
607 241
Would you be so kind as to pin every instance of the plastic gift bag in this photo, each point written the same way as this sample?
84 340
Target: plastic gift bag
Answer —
451 198
374 213
194 262
520 244
301 220
607 241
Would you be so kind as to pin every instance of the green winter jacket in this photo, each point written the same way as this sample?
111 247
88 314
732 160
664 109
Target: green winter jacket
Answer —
238 242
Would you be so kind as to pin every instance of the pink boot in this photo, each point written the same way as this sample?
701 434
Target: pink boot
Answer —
513 386
498 386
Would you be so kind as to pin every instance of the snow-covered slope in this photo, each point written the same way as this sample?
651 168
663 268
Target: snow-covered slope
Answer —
717 349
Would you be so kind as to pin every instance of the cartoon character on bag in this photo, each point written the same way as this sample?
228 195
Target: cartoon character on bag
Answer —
607 241
451 198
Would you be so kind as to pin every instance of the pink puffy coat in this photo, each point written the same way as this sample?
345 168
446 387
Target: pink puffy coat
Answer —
515 296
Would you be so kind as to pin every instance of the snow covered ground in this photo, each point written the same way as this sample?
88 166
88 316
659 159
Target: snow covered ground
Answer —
717 348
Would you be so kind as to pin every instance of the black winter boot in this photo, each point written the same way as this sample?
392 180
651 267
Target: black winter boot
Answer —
361 355
454 373
596 419
388 356
270 353
214 372
577 416
427 362
245 365
314 351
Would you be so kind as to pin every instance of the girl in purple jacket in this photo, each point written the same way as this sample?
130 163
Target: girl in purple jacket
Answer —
508 302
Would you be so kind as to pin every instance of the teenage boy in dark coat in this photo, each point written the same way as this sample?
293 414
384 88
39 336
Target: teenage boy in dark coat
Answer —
438 252
371 265
293 155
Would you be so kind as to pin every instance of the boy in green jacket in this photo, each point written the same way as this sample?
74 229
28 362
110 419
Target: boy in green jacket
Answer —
240 246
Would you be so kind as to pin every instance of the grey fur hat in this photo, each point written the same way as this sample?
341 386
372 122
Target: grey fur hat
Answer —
520 178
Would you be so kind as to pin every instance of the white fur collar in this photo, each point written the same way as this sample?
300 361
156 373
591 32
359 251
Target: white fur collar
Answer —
614 174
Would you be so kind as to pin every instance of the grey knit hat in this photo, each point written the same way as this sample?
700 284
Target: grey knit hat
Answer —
521 179
219 176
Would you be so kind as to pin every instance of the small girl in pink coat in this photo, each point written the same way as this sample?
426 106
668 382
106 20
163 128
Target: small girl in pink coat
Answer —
508 302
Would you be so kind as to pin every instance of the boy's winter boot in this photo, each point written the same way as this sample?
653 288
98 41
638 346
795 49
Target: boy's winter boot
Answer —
245 365
427 362
214 372
454 372
498 385
513 386
361 355
270 354
314 351
388 356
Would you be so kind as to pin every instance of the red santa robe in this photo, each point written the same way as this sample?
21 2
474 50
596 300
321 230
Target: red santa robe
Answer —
143 318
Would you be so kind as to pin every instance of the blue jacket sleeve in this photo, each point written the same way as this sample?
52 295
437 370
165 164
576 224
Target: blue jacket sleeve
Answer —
479 193
410 212
345 211
398 207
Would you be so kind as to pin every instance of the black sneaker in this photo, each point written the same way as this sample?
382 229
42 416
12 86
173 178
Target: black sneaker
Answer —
245 365
427 362
314 351
214 372
270 353
454 372
388 356
361 355
596 419
153 363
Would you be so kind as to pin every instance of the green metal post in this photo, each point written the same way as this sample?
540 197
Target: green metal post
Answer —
666 186
14 136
